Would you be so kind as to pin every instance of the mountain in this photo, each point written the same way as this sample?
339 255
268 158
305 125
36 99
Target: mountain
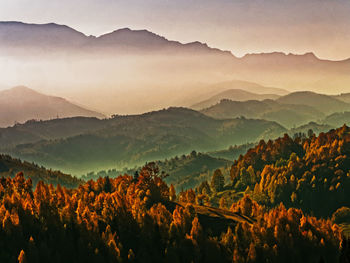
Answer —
287 115
320 102
21 104
15 36
233 94
135 139
9 167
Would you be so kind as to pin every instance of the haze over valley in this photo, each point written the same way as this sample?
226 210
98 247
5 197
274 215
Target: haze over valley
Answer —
116 71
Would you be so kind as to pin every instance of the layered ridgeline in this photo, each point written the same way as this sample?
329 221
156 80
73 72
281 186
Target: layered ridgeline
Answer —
21 104
137 219
291 110
144 62
9 167
235 95
310 173
132 140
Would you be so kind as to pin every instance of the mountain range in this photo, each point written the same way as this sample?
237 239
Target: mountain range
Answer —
54 37
21 104
59 58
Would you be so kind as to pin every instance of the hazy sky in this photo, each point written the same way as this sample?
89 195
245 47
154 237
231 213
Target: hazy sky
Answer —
242 26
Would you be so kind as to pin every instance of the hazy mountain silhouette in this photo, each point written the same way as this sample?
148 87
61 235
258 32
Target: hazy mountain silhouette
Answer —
287 115
21 104
60 37
232 94
48 36
323 103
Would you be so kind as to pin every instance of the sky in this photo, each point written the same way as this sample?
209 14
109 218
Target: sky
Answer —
241 26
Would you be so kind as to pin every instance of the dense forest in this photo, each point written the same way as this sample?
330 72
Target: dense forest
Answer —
308 173
136 219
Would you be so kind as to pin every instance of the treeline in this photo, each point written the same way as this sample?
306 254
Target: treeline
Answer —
131 219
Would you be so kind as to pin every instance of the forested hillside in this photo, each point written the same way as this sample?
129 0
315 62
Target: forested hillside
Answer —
9 167
133 140
310 173
34 131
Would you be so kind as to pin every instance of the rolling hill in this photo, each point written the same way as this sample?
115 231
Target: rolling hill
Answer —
320 102
315 127
232 94
338 119
9 167
135 139
35 131
21 104
286 114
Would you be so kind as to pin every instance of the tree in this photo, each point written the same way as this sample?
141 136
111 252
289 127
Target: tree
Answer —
193 154
22 257
223 203
172 193
217 181
310 133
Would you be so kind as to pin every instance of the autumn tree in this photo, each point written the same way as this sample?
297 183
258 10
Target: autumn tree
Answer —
172 193
217 181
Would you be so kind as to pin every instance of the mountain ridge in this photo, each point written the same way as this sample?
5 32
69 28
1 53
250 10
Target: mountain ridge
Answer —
20 104
309 55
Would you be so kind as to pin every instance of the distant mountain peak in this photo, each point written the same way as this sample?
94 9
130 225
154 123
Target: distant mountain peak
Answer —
20 104
21 90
